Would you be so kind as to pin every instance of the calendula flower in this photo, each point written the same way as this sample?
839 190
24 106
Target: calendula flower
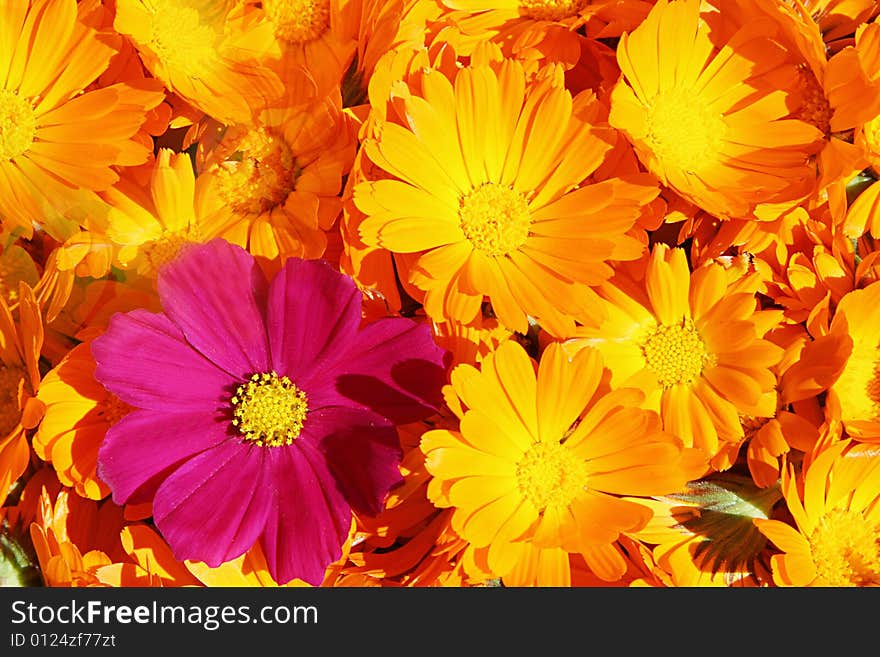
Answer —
313 42
59 144
544 454
704 535
503 211
693 341
148 226
278 182
79 410
268 424
708 107
209 53
834 539
856 391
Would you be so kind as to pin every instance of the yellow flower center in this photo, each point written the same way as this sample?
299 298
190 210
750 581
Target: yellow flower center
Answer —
167 246
495 219
18 125
180 35
814 108
549 474
846 550
676 353
550 10
298 21
10 413
682 131
259 175
269 410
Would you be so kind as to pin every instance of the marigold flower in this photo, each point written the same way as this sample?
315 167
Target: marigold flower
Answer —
543 456
284 404
508 214
59 144
693 341
709 108
834 535
79 410
277 183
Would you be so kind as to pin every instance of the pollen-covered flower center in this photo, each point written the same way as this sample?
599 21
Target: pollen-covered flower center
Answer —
676 353
298 21
259 175
846 550
550 10
178 35
269 410
10 413
682 131
18 125
814 108
164 249
549 474
495 219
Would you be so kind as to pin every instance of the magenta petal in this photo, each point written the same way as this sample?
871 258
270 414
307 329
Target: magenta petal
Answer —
215 293
393 367
214 507
310 522
312 309
144 447
143 359
362 451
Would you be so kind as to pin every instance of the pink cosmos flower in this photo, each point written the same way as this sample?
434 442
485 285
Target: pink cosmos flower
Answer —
263 411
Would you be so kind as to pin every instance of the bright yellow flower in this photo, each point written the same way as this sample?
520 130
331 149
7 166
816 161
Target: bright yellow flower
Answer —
504 210
148 227
708 108
693 341
834 539
209 52
58 143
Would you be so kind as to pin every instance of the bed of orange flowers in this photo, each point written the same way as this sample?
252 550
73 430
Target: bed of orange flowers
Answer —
421 293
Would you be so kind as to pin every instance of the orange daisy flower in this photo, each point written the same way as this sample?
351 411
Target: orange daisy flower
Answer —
79 410
693 341
543 455
209 53
277 183
60 144
505 210
834 539
708 108
856 392
313 42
